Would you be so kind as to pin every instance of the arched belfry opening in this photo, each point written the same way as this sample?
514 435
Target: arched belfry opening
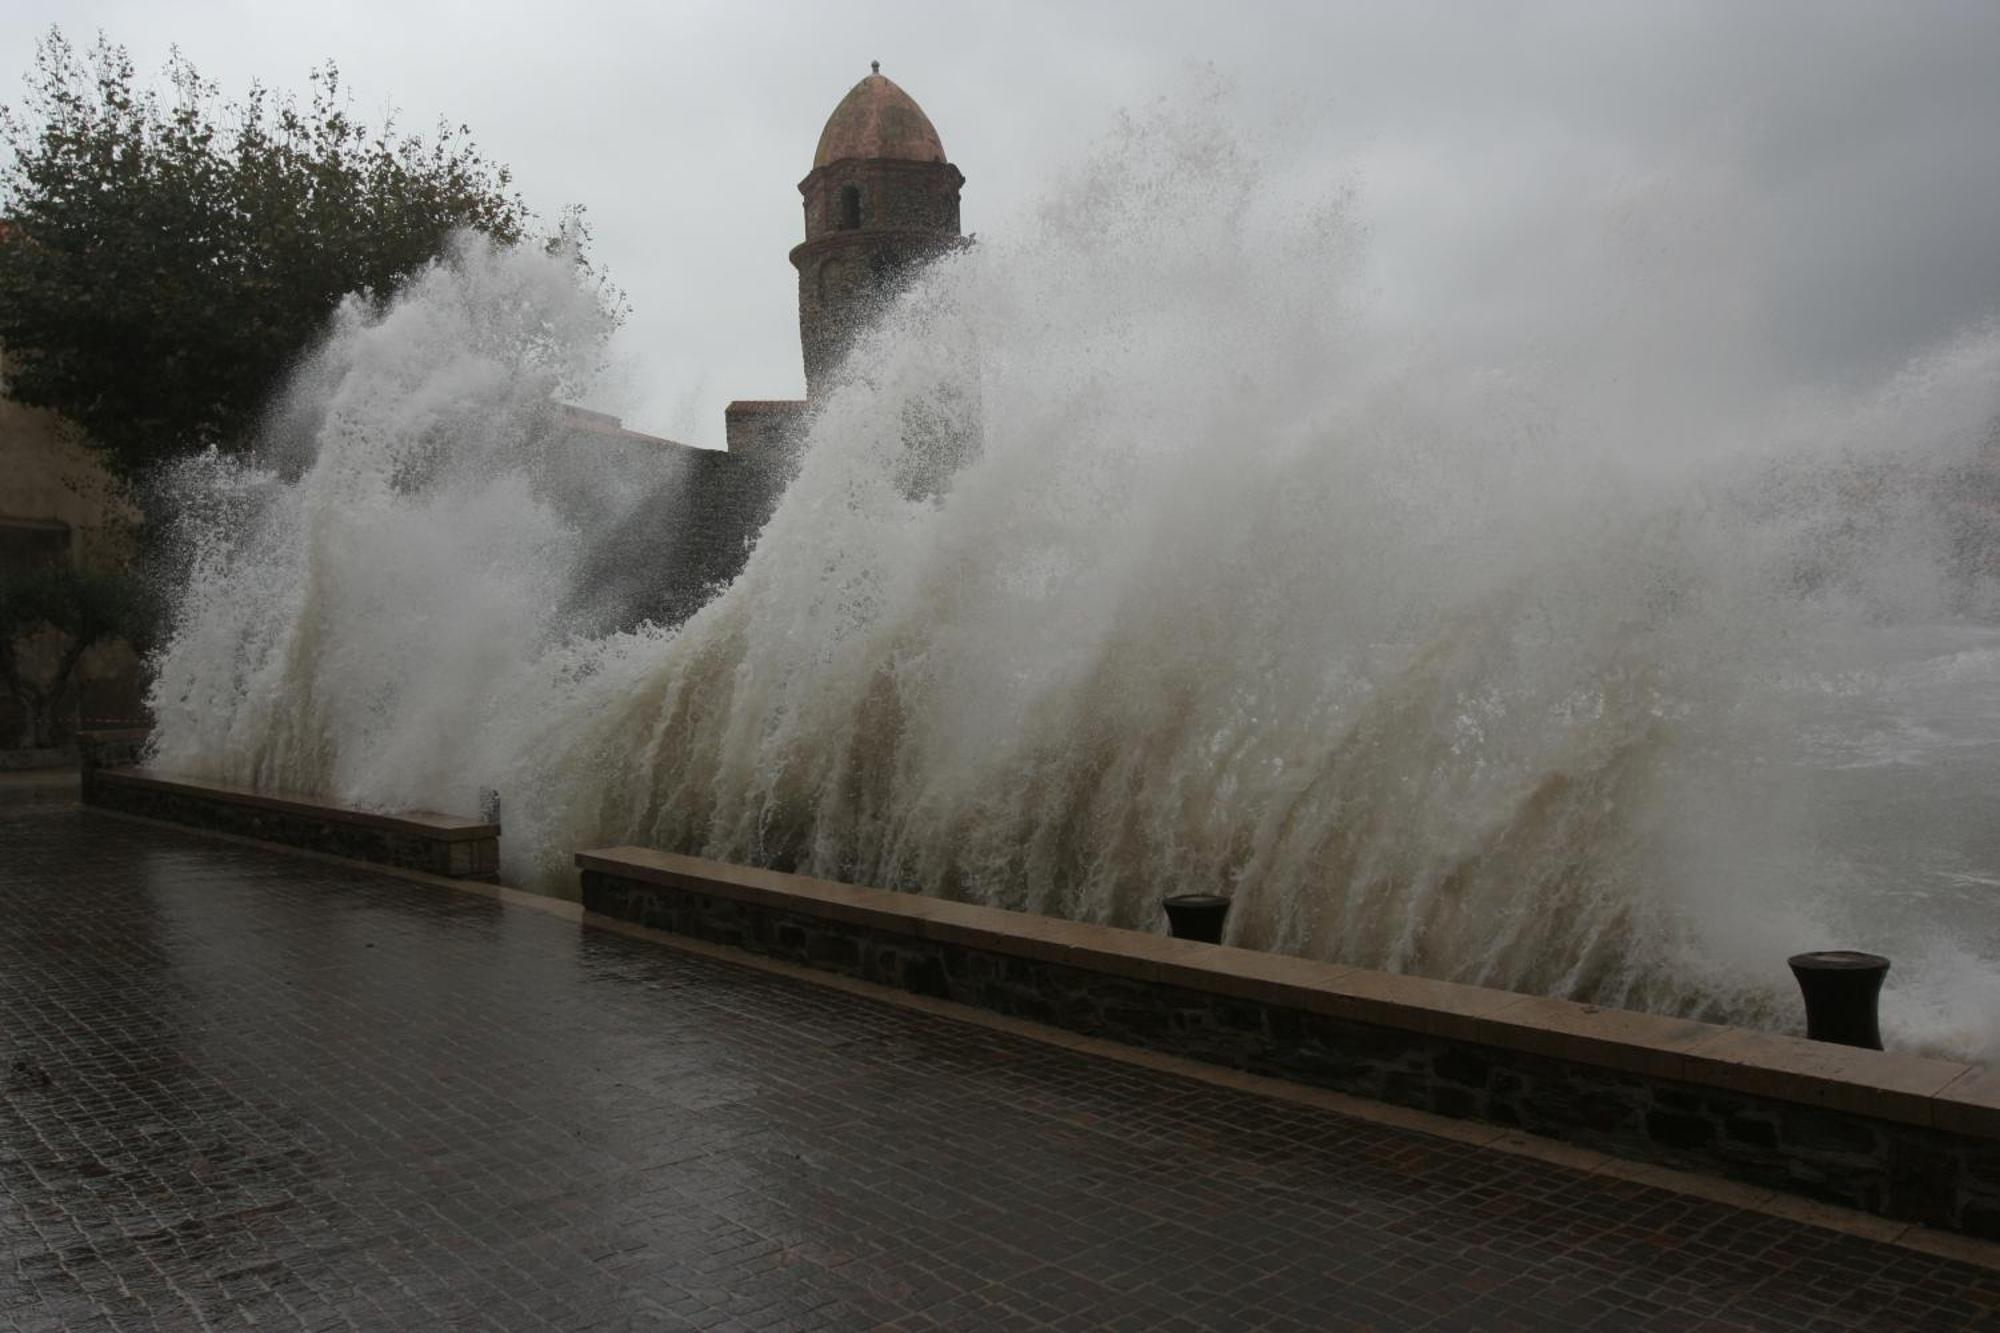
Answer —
879 201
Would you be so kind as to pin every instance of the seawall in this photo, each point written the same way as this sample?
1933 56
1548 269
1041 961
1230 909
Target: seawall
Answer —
1901 1136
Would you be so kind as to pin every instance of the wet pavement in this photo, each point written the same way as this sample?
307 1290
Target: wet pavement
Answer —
245 1090
38 786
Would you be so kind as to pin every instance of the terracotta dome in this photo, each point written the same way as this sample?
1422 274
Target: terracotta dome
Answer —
877 119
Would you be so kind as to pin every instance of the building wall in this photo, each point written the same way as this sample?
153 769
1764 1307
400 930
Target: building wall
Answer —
691 529
894 196
763 427
57 502
48 477
869 225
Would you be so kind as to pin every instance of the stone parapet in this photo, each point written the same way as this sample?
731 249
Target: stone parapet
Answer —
1901 1136
764 427
409 839
27 760
120 748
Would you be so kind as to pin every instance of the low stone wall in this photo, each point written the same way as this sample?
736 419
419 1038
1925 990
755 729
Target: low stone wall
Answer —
409 839
1902 1136
122 748
26 761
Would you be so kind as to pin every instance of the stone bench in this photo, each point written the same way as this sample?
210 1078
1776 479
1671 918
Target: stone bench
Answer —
1902 1136
409 839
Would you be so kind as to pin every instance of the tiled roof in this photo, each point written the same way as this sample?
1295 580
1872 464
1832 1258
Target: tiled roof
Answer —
877 119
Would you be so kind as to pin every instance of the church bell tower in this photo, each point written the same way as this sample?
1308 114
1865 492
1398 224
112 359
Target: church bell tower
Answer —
880 200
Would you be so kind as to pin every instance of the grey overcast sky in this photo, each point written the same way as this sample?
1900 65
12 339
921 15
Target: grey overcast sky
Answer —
1845 158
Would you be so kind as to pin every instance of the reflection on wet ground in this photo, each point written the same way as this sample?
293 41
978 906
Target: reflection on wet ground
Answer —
241 1089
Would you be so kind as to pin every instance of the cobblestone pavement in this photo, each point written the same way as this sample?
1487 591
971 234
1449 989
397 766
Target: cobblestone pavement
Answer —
247 1090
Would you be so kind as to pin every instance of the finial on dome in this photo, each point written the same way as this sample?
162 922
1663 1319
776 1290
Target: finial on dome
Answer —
875 65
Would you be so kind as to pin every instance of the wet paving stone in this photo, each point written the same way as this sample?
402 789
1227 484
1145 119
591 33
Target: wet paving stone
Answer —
242 1090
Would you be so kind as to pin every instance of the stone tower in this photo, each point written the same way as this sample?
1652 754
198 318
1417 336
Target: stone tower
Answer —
880 200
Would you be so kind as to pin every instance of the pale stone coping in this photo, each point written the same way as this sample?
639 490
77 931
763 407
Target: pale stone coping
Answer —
748 405
427 823
1910 1089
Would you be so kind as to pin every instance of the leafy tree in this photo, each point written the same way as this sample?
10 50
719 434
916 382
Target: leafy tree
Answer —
164 260
50 616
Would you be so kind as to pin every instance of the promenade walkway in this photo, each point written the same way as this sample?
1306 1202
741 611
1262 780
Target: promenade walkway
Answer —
246 1090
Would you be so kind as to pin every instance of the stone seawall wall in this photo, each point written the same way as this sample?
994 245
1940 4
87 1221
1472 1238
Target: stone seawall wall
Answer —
1854 1128
100 750
415 840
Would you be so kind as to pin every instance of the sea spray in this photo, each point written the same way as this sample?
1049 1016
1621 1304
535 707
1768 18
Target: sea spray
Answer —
355 590
1516 671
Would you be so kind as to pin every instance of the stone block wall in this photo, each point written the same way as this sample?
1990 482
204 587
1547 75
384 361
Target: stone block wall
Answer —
413 840
687 540
100 750
893 195
1837 1127
766 428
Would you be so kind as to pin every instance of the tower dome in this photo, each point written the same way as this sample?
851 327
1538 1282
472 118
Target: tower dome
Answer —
881 200
877 119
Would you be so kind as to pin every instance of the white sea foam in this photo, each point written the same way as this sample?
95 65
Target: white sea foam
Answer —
1495 669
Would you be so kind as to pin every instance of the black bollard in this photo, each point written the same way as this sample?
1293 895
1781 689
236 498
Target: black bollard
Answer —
1196 916
1841 987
